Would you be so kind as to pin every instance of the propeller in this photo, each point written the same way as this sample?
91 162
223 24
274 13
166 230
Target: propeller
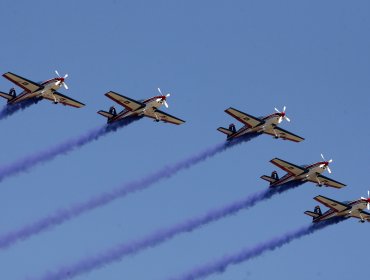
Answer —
163 98
367 199
326 163
61 80
282 115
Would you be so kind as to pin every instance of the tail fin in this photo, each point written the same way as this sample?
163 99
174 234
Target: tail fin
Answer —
268 179
6 96
105 114
228 132
315 214
312 214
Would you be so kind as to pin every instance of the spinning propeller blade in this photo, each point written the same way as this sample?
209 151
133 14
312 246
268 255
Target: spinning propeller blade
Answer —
282 115
368 203
163 98
327 163
63 83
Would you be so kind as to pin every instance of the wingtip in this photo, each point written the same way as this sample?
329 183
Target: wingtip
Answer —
5 75
317 197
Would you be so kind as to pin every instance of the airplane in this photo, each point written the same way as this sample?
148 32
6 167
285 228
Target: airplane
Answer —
302 173
148 107
267 124
37 91
346 209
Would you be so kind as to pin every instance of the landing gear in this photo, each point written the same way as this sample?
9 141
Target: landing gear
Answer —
362 221
319 184
56 101
157 119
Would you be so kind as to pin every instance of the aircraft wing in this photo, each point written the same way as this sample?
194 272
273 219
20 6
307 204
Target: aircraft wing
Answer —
329 182
284 134
288 167
65 100
128 103
331 203
162 116
246 119
22 82
361 215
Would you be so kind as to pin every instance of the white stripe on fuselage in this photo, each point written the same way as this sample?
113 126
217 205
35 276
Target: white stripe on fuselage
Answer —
269 122
310 172
48 87
356 206
151 105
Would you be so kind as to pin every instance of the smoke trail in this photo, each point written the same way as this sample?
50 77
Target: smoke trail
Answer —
63 148
151 240
9 110
220 265
63 215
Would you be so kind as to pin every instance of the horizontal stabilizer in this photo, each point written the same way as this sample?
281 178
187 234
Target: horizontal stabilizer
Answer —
228 132
312 214
6 96
268 178
105 114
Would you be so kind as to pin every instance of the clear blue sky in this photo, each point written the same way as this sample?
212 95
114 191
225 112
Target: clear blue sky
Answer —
312 56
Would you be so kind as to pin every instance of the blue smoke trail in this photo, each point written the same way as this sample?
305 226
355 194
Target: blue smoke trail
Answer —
100 200
220 265
118 252
30 161
11 109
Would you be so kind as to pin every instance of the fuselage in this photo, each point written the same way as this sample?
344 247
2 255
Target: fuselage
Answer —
151 105
310 173
269 123
47 88
356 206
